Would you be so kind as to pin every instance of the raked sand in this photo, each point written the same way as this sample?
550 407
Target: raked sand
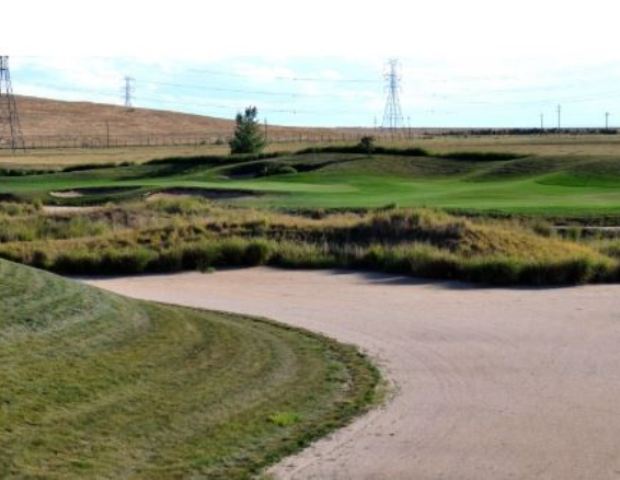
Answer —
486 383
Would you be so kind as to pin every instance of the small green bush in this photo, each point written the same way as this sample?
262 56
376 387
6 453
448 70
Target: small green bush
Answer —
257 253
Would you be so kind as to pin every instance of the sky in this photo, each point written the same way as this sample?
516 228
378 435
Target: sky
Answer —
474 63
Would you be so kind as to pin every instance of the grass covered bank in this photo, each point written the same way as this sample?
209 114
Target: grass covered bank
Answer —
99 386
336 177
172 234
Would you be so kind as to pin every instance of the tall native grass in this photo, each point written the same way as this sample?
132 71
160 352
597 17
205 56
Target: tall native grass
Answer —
168 235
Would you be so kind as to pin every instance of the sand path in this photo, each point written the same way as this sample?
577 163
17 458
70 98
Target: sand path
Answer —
488 383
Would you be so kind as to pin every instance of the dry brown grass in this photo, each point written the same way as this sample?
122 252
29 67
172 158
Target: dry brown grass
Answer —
50 158
75 120
544 145
41 116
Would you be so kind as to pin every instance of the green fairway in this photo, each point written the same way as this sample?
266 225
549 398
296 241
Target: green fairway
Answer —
535 184
98 386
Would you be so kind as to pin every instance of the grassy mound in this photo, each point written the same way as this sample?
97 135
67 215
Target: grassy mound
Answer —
345 177
172 234
98 386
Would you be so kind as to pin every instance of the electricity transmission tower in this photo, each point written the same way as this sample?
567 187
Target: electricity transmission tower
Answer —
10 128
128 90
393 114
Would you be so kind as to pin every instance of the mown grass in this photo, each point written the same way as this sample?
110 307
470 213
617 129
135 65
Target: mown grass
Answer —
344 177
174 234
99 386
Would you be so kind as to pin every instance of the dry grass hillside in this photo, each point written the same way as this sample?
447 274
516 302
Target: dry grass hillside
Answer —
44 117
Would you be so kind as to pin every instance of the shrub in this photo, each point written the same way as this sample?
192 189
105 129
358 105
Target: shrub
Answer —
367 144
247 137
232 252
257 253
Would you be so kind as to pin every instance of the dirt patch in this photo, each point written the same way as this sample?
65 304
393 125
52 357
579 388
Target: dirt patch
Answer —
489 383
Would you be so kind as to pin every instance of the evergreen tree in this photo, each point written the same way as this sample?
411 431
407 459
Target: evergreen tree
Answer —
248 137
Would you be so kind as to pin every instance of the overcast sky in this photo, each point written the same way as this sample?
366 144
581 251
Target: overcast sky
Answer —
464 63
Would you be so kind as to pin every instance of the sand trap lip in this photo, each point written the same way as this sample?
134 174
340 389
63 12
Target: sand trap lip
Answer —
491 383
82 192
66 194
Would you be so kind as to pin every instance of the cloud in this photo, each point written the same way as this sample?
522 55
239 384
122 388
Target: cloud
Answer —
486 60
198 30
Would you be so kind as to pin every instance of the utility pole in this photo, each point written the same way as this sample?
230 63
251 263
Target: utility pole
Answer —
10 128
607 120
559 118
393 114
128 90
542 122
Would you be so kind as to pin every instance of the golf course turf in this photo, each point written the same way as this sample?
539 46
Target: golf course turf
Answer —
541 185
99 386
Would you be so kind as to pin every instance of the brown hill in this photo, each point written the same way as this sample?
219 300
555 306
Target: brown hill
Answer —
55 118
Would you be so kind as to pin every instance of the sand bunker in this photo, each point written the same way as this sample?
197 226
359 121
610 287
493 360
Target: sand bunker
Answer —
488 383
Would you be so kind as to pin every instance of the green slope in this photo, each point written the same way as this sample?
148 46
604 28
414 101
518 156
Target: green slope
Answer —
98 386
542 185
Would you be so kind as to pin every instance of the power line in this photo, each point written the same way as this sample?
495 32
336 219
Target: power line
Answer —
237 107
10 127
306 108
109 94
209 88
287 77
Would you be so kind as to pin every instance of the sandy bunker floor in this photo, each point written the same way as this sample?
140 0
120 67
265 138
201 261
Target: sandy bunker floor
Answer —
489 383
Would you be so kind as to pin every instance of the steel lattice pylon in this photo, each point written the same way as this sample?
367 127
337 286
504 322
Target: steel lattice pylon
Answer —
393 114
10 128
